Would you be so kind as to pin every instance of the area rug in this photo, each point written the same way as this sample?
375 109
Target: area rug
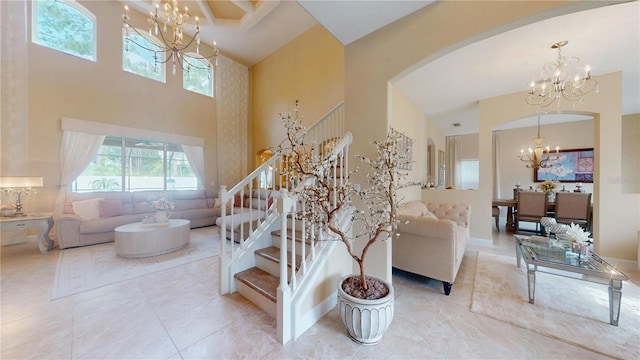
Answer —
570 310
90 267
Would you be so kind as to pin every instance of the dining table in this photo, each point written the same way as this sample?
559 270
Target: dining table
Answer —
511 205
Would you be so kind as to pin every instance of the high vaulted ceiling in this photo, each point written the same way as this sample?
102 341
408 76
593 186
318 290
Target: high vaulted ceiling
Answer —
244 30
446 89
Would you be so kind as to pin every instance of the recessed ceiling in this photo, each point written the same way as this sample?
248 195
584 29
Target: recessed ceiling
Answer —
246 31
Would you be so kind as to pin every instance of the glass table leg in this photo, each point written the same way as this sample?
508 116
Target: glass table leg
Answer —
615 298
531 280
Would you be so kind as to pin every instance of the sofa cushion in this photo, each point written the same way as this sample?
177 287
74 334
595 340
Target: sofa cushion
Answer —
415 208
111 208
87 209
188 204
106 225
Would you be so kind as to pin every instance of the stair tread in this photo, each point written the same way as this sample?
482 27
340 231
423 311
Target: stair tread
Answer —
261 281
273 253
298 235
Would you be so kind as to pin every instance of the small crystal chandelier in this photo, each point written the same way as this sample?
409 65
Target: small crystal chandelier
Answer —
539 157
558 81
171 33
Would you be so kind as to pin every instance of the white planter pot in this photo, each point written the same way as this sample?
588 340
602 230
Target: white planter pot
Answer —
366 320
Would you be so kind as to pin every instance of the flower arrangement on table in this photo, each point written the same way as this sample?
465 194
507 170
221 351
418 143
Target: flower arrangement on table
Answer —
163 204
576 233
547 186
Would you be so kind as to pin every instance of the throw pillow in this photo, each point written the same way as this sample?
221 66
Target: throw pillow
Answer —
429 214
237 200
87 209
111 208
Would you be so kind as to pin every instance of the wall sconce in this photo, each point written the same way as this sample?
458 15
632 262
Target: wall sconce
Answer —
19 185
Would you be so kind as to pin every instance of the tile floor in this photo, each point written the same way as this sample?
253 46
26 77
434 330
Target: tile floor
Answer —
179 314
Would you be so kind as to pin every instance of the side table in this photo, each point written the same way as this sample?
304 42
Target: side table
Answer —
43 222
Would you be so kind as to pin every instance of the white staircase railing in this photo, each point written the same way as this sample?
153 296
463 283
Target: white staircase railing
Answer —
241 199
328 139
319 241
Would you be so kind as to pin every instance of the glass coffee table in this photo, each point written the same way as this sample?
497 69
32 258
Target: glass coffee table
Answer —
541 254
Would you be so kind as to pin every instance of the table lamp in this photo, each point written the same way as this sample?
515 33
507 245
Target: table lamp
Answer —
19 185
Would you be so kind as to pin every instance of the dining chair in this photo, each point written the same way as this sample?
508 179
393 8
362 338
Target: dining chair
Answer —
495 212
532 206
572 207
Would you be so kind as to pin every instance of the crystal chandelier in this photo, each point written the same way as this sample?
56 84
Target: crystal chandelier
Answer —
559 82
171 33
539 157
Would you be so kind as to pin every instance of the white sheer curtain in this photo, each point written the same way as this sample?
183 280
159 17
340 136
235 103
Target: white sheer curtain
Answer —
496 165
453 162
232 119
195 155
76 151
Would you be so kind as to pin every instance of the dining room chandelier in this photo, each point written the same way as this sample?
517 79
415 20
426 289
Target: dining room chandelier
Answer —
539 157
561 80
170 30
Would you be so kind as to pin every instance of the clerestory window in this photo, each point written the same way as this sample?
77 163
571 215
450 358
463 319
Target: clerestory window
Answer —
142 56
197 74
66 26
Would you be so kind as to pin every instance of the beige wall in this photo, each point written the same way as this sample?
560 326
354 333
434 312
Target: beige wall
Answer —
62 85
513 171
309 69
408 119
616 214
631 154
389 53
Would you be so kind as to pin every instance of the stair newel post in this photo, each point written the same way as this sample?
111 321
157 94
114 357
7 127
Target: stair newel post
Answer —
285 205
224 257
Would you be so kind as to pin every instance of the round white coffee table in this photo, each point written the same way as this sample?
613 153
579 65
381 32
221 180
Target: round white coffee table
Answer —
139 240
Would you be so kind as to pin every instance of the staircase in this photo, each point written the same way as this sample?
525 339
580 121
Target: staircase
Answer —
279 267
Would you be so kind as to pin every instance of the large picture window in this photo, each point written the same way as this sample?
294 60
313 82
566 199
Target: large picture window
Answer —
142 56
66 26
133 165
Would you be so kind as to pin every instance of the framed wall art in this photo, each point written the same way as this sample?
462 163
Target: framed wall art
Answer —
575 165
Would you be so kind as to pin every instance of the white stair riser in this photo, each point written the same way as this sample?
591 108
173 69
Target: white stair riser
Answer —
276 243
255 297
269 266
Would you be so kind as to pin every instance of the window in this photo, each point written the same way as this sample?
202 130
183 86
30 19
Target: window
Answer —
142 56
132 165
197 74
469 173
66 26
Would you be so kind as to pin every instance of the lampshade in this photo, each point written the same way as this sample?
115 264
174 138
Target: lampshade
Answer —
20 181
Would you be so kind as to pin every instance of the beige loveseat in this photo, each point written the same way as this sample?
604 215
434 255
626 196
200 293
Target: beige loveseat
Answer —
200 207
432 241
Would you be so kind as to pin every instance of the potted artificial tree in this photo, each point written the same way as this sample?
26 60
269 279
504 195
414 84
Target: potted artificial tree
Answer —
365 302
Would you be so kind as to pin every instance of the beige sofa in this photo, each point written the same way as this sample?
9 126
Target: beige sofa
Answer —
432 241
200 207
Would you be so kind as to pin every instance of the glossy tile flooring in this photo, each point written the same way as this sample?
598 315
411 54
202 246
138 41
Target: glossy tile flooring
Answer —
179 314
